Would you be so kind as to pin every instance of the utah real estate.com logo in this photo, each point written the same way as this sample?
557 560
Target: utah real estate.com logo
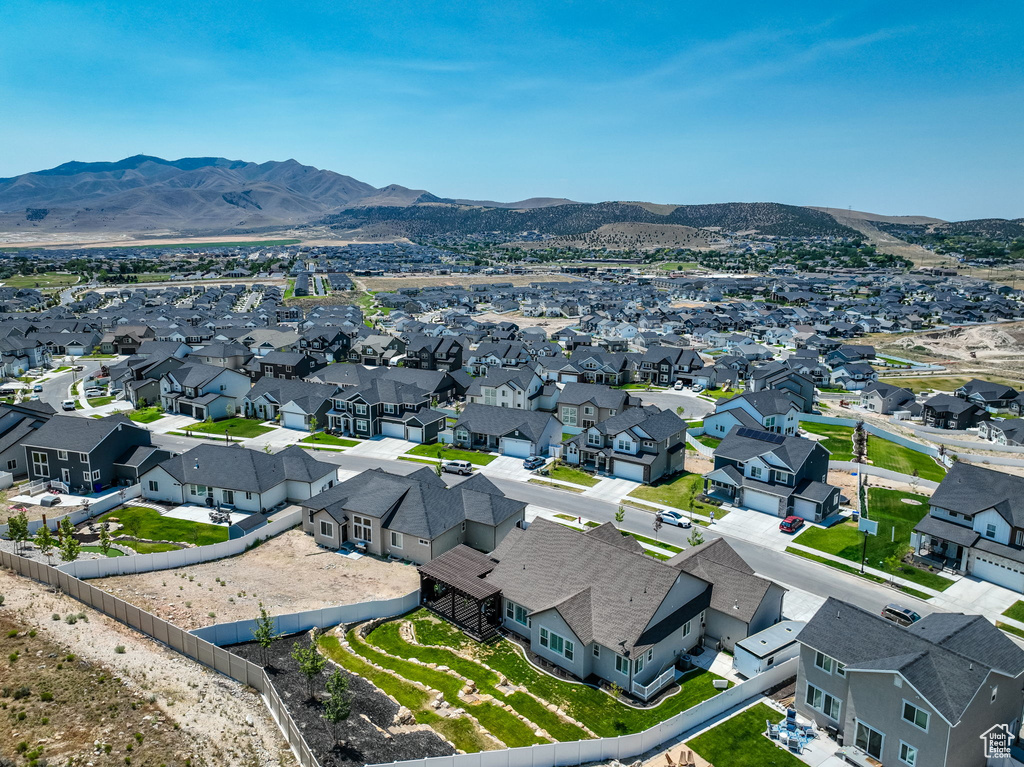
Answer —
997 742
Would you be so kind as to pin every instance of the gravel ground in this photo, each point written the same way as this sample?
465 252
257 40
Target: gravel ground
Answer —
372 713
288 573
227 724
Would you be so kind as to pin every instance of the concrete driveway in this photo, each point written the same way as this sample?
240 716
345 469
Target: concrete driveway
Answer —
507 467
382 447
693 406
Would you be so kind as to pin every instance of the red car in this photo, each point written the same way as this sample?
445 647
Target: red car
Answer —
791 524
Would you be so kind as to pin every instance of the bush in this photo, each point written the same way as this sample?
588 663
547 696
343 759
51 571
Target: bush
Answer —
32 634
46 697
12 633
71 620
55 617
13 656
119 649
1 599
22 692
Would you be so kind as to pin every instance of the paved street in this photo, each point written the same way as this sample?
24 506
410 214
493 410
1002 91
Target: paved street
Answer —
693 407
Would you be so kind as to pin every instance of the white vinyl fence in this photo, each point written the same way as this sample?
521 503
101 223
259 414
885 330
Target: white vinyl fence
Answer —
899 439
622 747
876 471
99 505
166 560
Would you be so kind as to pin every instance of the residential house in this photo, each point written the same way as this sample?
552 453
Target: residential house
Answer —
376 350
83 453
777 375
284 365
384 406
17 423
519 388
581 405
921 695
886 399
231 475
945 411
268 397
509 431
642 444
988 396
415 517
434 353
853 376
664 365
774 410
233 356
774 474
1008 431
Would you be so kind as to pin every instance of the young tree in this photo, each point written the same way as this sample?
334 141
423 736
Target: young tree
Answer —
70 548
45 542
680 410
313 424
696 537
620 514
264 634
437 469
310 661
105 538
132 525
338 703
17 530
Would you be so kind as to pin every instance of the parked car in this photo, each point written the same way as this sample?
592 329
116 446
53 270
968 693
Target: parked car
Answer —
679 385
899 614
94 392
68 404
457 467
37 388
34 398
675 519
534 462
791 524
697 388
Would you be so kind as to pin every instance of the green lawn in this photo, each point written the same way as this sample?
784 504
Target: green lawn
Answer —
639 387
889 455
709 441
156 527
740 741
680 493
99 401
566 435
322 438
1015 611
45 280
673 266
1011 629
97 356
146 547
951 384
243 428
839 439
146 414
567 474
887 508
603 714
98 550
452 454
721 394
290 290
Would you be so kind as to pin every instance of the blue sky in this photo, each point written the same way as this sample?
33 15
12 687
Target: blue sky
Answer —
899 108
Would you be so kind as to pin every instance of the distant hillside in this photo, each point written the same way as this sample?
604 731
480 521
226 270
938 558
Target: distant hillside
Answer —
630 236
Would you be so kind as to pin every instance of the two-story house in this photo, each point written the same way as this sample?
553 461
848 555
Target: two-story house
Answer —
384 406
853 376
664 365
591 364
415 517
642 444
975 525
328 342
914 696
774 410
886 399
223 355
376 350
778 375
946 411
582 405
17 422
434 353
203 391
284 365
1003 431
774 474
988 396
519 388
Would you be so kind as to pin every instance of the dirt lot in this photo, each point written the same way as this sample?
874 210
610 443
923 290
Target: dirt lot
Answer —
288 574
182 710
550 324
457 280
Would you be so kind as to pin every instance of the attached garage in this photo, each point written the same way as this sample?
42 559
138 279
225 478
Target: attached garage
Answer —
415 434
293 421
806 509
392 429
517 448
627 470
758 501
999 571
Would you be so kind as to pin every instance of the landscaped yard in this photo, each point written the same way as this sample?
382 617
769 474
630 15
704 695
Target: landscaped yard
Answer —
709 441
567 474
452 454
839 439
927 383
45 280
100 401
1015 611
243 428
98 550
889 455
146 414
888 509
153 526
438 642
740 741
322 438
720 393
680 493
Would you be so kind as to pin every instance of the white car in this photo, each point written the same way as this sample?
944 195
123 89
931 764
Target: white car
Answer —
675 519
678 386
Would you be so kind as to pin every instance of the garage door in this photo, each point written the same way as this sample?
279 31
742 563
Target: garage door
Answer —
627 470
759 501
390 429
805 509
293 421
415 433
517 448
989 569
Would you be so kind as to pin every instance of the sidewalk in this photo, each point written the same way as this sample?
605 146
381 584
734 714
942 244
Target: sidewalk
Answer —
611 489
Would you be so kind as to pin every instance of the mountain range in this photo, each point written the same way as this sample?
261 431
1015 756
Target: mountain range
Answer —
214 195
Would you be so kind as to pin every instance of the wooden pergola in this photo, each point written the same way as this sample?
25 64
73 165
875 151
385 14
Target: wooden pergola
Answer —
453 586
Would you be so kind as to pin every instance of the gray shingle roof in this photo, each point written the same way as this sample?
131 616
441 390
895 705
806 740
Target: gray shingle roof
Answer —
241 469
793 452
736 590
498 421
969 489
80 435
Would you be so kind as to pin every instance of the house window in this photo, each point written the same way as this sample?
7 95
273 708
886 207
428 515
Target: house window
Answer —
990 531
62 455
515 612
1019 539
154 486
362 528
823 662
86 476
597 651
556 644
686 628
396 540
326 528
755 472
823 702
248 496
594 438
995 691
638 665
622 445
424 542
869 740
588 410
622 665
569 416
40 464
12 464
389 408
840 669
908 754
916 716
83 457
361 425
360 409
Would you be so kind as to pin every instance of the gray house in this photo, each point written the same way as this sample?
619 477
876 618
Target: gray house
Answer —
886 399
916 696
416 517
509 431
17 423
583 405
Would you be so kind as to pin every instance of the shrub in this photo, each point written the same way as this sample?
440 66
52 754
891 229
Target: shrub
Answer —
119 649
22 692
32 633
55 617
1 599
46 697
12 633
13 656
71 620
211 615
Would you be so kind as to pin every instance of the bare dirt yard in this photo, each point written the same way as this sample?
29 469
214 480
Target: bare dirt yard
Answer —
93 691
288 573
458 280
550 324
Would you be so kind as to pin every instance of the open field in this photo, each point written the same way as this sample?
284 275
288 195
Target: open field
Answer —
183 710
288 573
46 280
550 324
457 280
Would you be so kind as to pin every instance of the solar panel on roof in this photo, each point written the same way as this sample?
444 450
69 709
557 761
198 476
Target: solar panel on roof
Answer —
763 436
